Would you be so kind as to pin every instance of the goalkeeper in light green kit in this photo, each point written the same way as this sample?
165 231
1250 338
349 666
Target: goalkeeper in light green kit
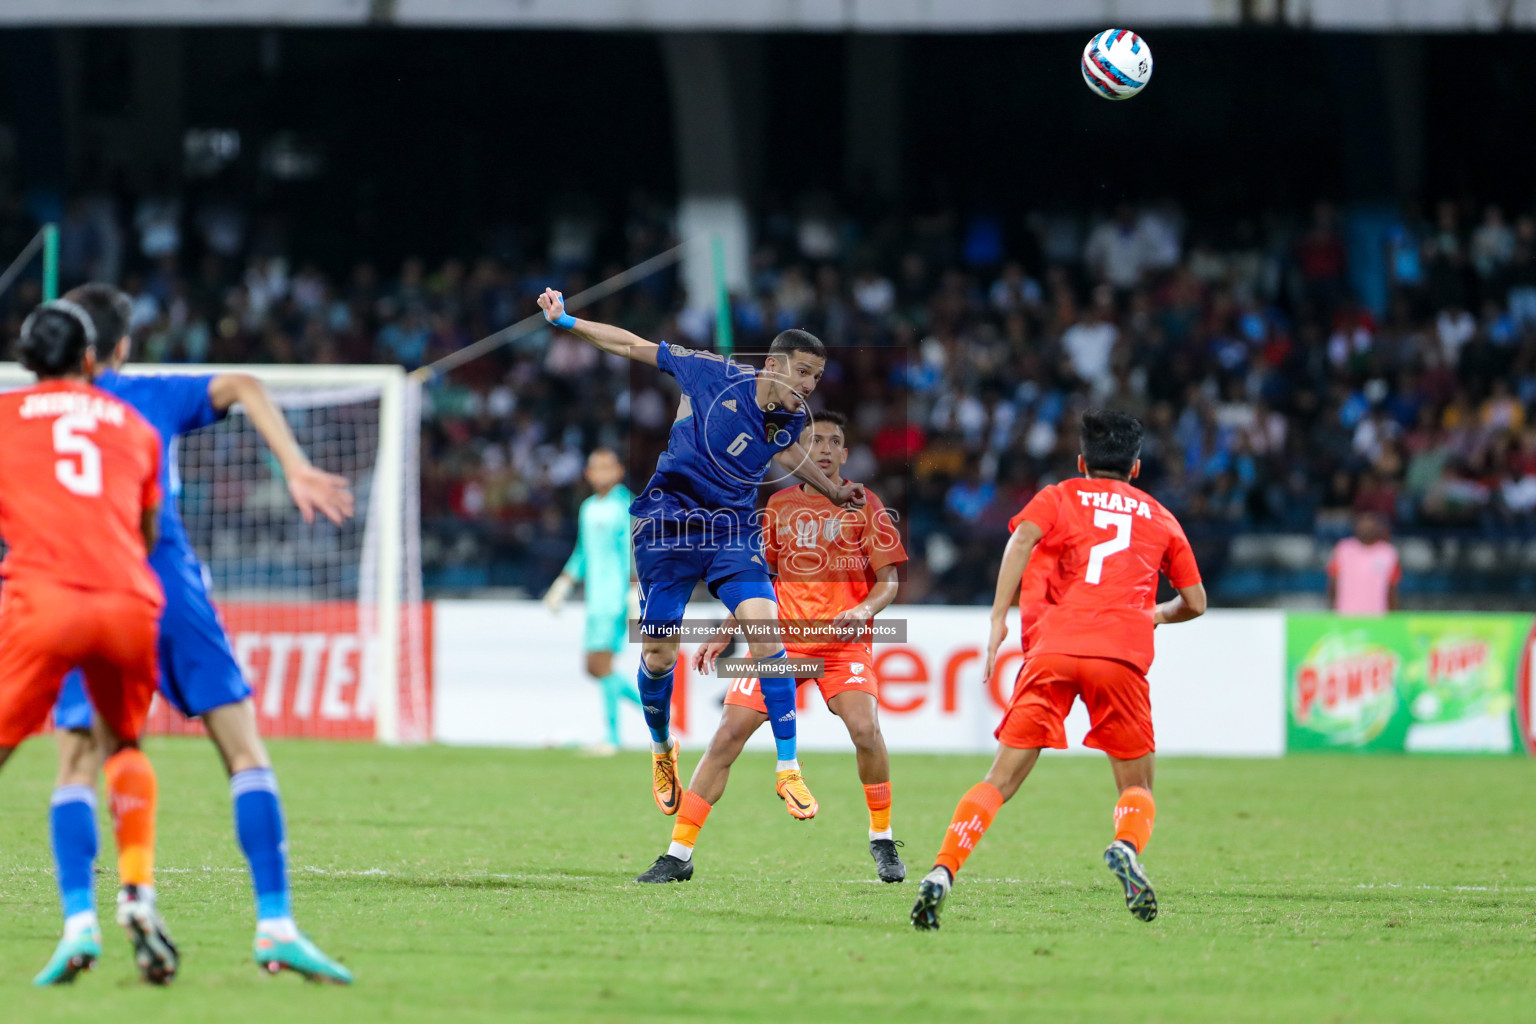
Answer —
604 561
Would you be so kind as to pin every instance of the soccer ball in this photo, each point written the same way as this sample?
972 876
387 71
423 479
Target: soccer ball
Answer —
1117 64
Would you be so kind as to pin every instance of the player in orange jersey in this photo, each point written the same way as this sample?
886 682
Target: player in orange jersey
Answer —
1109 543
836 569
79 507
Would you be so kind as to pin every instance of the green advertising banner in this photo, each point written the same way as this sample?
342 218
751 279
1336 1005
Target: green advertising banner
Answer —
1403 682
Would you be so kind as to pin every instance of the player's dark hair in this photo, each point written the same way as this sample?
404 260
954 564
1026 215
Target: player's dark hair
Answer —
54 339
110 310
795 340
1111 442
829 418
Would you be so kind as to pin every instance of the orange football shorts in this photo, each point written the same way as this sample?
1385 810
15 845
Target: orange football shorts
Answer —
1114 692
846 670
47 629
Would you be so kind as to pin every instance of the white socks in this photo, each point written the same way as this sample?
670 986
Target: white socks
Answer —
661 748
76 925
280 928
680 851
788 766
887 834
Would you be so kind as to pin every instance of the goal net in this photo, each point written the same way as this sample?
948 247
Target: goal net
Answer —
327 623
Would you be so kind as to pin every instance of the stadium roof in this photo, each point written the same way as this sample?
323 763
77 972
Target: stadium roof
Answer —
793 15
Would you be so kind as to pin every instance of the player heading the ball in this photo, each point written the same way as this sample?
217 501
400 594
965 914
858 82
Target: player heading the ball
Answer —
1088 625
696 520
834 568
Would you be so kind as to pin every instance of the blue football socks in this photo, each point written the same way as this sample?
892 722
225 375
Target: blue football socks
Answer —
259 828
656 702
779 697
72 827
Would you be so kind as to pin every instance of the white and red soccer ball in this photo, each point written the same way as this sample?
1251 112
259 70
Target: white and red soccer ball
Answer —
1117 64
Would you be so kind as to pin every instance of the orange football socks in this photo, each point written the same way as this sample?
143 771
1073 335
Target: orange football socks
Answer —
878 797
133 791
691 816
972 818
1133 817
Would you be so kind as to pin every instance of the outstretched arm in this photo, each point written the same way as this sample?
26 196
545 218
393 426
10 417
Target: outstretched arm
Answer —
1015 558
313 490
610 339
796 461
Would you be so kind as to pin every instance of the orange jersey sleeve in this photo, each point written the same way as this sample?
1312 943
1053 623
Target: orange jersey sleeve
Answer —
1042 510
1179 561
77 469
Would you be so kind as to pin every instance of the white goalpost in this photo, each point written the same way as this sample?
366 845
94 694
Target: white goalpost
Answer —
328 623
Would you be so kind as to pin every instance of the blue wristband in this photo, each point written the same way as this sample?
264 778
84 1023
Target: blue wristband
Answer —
566 321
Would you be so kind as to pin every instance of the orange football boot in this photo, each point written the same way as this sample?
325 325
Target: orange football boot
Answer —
665 788
796 795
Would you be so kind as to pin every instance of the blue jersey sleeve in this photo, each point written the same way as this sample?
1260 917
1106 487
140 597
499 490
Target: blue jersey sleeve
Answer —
185 402
796 425
699 372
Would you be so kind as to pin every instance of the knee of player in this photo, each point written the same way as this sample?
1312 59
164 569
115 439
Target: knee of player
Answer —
112 744
864 732
659 656
766 647
243 757
79 759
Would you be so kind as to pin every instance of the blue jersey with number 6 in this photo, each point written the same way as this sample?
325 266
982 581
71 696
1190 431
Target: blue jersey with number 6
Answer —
720 446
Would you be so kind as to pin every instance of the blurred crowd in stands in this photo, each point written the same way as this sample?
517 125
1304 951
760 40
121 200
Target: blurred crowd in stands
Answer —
1276 399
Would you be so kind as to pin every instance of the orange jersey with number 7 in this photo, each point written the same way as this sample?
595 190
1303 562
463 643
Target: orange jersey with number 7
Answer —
1110 542
77 469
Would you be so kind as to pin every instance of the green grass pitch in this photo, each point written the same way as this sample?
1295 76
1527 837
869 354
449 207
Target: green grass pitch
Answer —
477 885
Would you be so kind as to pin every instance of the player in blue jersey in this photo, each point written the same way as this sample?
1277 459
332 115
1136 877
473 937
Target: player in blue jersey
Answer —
697 520
198 672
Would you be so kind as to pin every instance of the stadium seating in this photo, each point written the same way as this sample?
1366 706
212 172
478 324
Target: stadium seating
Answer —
1279 403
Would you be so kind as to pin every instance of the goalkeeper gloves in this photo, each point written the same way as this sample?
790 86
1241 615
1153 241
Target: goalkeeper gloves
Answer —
558 591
